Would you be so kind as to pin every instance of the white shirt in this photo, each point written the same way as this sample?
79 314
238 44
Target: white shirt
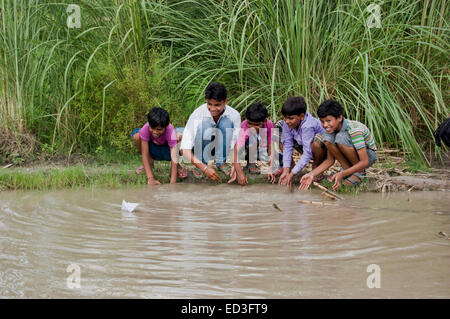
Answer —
196 118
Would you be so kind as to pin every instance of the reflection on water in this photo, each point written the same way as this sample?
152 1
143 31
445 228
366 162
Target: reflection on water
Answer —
197 241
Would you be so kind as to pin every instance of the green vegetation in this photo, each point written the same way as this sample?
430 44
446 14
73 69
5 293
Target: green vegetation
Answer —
393 79
81 90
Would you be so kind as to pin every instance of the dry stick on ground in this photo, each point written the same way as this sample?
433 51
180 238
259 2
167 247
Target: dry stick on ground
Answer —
326 190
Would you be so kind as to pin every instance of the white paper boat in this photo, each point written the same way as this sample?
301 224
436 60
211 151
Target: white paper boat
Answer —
129 207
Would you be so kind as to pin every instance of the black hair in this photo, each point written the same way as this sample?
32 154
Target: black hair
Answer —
443 133
158 117
256 112
294 106
330 107
216 91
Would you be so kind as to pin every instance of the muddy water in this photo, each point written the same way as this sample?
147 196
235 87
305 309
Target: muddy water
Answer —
196 241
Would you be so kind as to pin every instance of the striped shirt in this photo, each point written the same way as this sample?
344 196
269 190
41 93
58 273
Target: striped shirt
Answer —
360 135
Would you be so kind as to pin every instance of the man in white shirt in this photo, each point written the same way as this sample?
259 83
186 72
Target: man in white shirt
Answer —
212 131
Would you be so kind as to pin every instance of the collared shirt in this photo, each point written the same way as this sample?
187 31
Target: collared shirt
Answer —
304 135
202 113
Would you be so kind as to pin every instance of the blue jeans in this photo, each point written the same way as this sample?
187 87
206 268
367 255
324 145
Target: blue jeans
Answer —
214 140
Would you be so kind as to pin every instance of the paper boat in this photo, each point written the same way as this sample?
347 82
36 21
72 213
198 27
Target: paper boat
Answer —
129 207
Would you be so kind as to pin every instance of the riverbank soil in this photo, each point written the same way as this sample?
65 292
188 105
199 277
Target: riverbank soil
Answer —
391 172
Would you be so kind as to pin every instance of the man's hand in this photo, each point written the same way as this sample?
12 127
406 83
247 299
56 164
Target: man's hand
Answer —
152 181
337 179
212 174
306 181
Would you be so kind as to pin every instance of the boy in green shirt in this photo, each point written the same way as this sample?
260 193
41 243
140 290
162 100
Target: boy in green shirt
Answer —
349 142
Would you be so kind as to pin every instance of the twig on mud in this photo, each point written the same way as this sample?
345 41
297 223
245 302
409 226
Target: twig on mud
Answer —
326 190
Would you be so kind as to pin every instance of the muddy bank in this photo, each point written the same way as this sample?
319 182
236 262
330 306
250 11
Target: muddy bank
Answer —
380 177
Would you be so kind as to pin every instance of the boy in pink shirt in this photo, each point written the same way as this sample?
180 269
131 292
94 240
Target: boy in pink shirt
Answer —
157 140
255 139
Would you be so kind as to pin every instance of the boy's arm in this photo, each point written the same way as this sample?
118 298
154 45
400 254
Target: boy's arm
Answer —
307 179
288 147
242 179
146 162
174 166
307 139
362 164
271 155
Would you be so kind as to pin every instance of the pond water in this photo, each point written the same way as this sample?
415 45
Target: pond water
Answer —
223 241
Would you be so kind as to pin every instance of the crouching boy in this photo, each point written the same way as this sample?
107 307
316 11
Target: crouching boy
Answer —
254 143
349 142
301 127
157 140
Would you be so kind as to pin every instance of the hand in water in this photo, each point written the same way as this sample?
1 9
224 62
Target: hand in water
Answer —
152 181
306 181
241 178
271 177
283 181
233 175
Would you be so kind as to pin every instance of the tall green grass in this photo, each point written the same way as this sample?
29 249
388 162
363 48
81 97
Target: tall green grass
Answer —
394 79
45 67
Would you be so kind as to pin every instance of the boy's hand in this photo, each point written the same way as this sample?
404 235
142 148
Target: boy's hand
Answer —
337 179
270 176
242 179
152 181
306 181
212 174
232 175
290 177
283 178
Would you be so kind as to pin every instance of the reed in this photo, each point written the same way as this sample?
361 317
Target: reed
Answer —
45 65
394 79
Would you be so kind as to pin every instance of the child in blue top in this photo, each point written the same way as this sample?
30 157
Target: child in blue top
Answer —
302 127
